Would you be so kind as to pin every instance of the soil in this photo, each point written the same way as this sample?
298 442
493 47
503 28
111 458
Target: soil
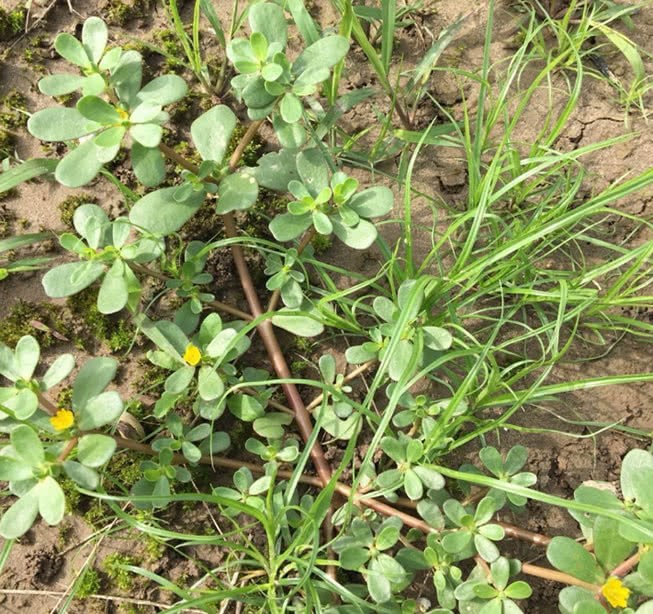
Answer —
45 563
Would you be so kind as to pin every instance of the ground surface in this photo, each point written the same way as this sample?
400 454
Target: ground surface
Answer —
46 562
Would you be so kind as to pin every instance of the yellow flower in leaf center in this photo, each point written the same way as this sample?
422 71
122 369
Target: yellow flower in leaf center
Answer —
62 420
615 593
192 355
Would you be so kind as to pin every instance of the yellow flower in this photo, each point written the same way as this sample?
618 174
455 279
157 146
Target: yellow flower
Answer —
62 420
615 593
192 355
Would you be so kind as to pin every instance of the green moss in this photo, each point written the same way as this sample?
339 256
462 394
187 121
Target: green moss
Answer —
303 344
190 106
116 332
186 150
36 52
68 207
89 584
321 243
124 468
298 367
173 52
112 566
152 377
13 110
251 153
73 497
119 13
96 514
11 23
256 218
65 398
153 548
18 323
7 218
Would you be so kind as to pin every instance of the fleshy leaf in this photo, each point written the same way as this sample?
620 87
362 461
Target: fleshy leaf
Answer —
211 132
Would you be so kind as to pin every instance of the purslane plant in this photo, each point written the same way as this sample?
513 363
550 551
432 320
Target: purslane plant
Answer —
380 549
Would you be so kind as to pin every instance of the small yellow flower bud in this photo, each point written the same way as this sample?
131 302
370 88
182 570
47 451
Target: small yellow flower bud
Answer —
192 355
62 420
615 593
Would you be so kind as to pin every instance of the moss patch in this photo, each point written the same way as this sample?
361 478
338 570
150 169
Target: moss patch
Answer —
113 567
18 323
11 23
119 13
89 584
92 326
68 207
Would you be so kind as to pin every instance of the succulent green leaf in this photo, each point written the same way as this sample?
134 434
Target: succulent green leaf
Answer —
27 445
373 202
313 170
127 76
12 470
101 410
633 463
159 213
71 278
69 48
92 379
269 20
486 548
60 84
95 450
291 136
163 90
84 476
456 541
92 223
297 323
271 425
52 501
111 137
148 135
98 110
323 53
94 38
569 556
148 164
19 518
360 236
245 407
23 404
211 132
94 85
287 226
27 356
276 170
81 165
291 108
180 380
114 292
210 385
59 124
430 477
236 192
